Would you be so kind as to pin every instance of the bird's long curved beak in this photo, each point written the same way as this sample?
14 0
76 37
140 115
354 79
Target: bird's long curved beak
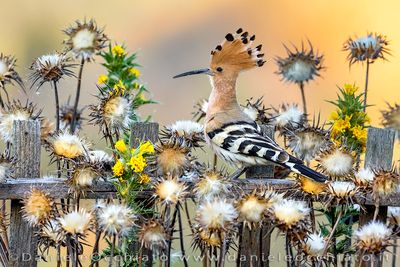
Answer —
193 72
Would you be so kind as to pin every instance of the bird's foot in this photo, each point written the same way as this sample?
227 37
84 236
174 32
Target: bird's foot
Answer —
237 173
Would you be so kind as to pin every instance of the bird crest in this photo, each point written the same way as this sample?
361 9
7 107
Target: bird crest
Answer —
236 53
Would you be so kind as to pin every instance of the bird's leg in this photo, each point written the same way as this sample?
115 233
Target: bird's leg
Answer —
237 173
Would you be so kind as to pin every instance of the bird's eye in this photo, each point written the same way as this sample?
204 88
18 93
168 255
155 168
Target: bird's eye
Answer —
219 69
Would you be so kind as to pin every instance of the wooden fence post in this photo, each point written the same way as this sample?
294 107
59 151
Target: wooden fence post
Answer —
255 245
26 150
378 155
144 131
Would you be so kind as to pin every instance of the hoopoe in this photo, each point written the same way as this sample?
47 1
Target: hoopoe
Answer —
232 134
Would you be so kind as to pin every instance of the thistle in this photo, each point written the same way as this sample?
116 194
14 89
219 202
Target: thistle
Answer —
314 245
116 219
364 178
38 207
76 222
200 110
83 176
66 116
68 146
152 235
373 238
252 209
217 215
256 110
287 116
336 162
391 118
170 191
210 185
368 48
300 67
51 68
385 182
186 132
8 74
341 193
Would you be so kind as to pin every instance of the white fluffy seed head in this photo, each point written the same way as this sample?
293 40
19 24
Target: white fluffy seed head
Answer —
69 145
252 209
83 39
3 68
290 212
7 123
341 189
99 156
76 222
184 128
52 230
117 112
291 115
364 177
314 245
216 215
170 191
116 219
299 71
373 237
337 163
210 186
251 112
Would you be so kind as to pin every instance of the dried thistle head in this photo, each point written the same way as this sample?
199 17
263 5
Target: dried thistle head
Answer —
83 175
152 235
217 215
287 116
13 112
394 217
211 184
256 110
69 146
188 132
291 217
364 177
341 192
66 115
85 39
314 245
100 158
385 182
8 74
300 65
76 222
46 130
252 209
50 68
307 142
116 219
391 117
37 207
51 234
200 109
114 111
373 238
370 47
170 158
170 190
209 242
336 162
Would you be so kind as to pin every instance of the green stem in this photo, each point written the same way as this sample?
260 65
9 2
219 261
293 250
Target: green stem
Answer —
303 98
366 85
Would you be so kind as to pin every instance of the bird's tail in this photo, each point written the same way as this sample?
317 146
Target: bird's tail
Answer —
300 168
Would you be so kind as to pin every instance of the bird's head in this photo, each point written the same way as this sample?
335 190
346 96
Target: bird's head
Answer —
234 55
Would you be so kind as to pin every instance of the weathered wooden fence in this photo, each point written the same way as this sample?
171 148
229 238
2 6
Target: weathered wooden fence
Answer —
26 149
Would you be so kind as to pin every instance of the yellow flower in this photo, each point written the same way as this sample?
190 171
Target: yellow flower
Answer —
146 148
119 88
135 72
350 89
118 50
118 168
142 97
102 79
367 119
334 116
120 146
137 163
144 179
136 85
360 133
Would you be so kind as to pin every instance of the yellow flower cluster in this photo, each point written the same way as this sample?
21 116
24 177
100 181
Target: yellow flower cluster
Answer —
119 88
146 148
137 163
118 50
120 146
360 133
144 179
135 72
136 86
118 168
350 89
340 125
102 79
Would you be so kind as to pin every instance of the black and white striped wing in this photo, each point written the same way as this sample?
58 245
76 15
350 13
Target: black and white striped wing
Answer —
244 143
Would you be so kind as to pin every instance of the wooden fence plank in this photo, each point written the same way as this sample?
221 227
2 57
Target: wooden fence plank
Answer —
26 150
379 155
256 244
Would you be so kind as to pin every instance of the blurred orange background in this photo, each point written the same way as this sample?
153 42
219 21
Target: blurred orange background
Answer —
175 36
